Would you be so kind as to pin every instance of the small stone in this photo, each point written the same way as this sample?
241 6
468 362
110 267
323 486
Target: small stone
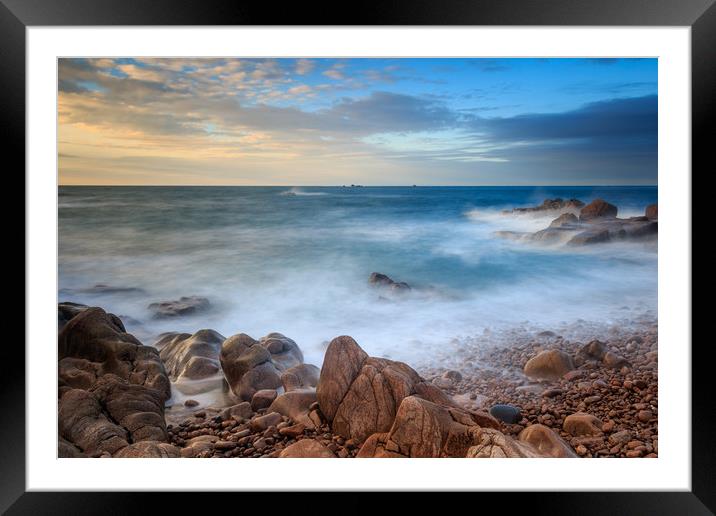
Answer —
191 403
645 416
292 431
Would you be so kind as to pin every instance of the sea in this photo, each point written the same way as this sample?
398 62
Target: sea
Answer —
296 260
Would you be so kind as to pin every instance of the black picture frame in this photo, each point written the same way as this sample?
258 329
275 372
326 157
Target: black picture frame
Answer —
17 15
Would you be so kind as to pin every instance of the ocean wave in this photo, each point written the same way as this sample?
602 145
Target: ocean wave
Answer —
299 192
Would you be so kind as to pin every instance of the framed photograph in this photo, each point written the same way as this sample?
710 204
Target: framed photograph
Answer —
419 249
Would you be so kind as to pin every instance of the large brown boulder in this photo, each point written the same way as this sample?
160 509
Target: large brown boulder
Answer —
66 311
598 209
190 357
546 441
566 219
550 364
149 450
652 212
285 353
302 376
425 429
112 389
360 395
83 424
252 365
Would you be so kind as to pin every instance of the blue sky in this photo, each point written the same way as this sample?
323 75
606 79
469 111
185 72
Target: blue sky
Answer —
368 121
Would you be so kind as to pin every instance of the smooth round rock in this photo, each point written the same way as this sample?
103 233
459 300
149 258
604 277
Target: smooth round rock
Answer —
506 413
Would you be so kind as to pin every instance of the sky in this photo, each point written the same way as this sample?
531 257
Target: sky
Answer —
329 121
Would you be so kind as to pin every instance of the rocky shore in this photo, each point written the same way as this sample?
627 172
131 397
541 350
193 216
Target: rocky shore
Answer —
578 225
207 395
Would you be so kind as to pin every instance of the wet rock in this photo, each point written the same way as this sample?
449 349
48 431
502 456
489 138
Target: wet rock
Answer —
285 353
66 311
263 399
149 450
186 305
296 405
112 388
247 366
597 209
359 395
546 441
300 376
557 204
239 411
493 444
645 416
566 219
594 350
381 280
191 357
615 361
548 365
260 423
594 236
582 424
506 413
424 429
191 403
306 448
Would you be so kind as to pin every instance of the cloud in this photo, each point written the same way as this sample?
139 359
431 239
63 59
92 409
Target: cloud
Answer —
304 66
257 113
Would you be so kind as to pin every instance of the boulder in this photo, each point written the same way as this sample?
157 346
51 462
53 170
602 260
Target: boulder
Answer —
546 441
112 389
186 305
66 311
301 376
247 366
493 444
190 357
381 280
652 212
261 423
263 398
566 219
556 204
550 364
83 424
67 450
240 411
306 448
296 405
424 429
285 353
593 236
597 209
582 424
593 350
360 395
149 450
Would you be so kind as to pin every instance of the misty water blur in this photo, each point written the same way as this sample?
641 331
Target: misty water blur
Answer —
297 261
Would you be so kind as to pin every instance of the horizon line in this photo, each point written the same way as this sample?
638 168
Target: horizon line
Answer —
360 185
